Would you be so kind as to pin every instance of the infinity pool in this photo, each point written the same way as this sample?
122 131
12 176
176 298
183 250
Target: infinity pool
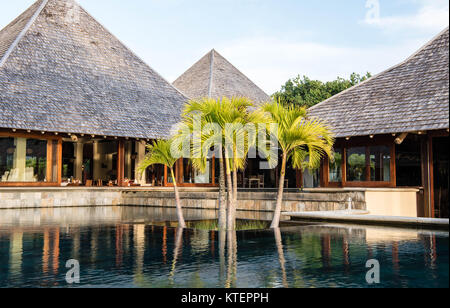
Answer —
134 247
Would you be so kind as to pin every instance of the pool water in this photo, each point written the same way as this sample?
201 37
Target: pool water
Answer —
135 247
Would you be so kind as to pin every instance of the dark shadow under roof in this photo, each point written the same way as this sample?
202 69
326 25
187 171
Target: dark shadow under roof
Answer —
64 72
412 96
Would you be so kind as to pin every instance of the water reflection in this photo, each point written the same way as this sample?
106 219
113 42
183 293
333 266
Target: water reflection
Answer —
122 247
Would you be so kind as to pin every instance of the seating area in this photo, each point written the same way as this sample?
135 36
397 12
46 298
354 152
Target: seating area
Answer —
15 176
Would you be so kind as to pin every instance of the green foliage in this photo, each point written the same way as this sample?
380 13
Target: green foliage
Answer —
304 141
304 92
241 225
159 154
225 113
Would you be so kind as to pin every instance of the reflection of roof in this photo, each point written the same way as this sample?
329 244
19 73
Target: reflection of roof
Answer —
62 74
213 76
412 96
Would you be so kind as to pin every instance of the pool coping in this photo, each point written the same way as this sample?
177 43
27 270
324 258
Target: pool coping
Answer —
430 223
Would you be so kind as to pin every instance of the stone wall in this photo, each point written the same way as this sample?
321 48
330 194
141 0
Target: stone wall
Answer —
252 201
13 198
58 197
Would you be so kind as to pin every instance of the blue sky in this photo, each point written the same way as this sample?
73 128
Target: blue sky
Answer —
269 40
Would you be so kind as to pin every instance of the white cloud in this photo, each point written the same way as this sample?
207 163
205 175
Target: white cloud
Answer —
432 16
270 62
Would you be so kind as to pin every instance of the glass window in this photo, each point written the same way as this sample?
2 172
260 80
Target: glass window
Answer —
311 178
23 160
192 176
336 167
54 161
380 164
356 164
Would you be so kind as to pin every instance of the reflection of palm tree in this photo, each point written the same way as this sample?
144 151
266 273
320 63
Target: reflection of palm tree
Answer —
232 260
176 252
222 244
281 258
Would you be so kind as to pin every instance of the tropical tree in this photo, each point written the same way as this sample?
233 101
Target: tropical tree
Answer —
223 127
304 92
160 154
301 140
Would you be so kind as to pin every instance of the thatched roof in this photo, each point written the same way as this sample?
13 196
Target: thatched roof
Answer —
63 72
213 76
409 97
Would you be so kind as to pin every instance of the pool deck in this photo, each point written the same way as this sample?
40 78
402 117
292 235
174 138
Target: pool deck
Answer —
364 218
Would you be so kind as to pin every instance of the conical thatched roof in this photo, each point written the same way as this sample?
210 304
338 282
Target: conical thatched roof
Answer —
412 96
61 71
213 76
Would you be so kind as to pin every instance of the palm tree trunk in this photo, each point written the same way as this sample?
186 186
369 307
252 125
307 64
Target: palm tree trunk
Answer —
230 221
235 191
181 222
222 197
277 215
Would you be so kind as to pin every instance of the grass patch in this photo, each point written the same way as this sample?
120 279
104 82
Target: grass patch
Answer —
241 225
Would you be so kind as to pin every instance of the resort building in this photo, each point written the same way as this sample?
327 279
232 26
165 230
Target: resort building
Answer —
77 108
76 105
393 129
215 77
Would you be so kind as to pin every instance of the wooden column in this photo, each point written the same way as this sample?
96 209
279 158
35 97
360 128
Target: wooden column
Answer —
120 163
427 175
344 167
59 151
393 167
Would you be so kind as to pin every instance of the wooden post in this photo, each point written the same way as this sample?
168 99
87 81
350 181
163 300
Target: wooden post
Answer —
120 163
344 167
393 167
59 161
427 175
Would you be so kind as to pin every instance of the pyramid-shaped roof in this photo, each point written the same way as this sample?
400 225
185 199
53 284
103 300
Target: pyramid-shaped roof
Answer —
61 71
409 97
213 76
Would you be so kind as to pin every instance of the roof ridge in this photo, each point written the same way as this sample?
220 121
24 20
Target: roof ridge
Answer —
240 72
385 71
23 32
211 73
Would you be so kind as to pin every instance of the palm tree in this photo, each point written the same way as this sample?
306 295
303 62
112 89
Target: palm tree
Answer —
160 154
303 141
225 113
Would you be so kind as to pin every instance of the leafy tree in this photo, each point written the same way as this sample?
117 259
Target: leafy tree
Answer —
304 92
160 154
302 141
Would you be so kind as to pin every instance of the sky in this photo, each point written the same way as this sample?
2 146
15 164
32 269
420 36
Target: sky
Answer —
270 41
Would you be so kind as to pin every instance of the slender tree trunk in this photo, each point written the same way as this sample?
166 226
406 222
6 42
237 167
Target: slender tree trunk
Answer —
230 221
222 197
181 222
277 215
279 242
235 192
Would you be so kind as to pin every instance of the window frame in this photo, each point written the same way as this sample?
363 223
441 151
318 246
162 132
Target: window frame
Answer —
49 167
366 143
